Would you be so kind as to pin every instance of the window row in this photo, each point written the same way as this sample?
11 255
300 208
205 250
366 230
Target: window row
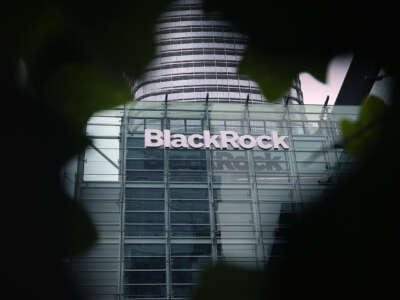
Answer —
217 165
191 250
307 151
199 17
203 205
174 193
184 40
184 6
177 231
177 205
139 277
194 75
191 89
196 28
243 230
148 250
175 217
204 51
141 291
274 173
188 250
159 262
220 194
199 63
222 170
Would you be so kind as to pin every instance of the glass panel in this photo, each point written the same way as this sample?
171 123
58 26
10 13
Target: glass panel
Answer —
264 155
177 126
231 177
194 126
145 164
275 166
310 156
144 217
145 153
269 218
231 194
230 165
144 193
144 205
236 250
191 249
144 250
190 262
233 207
308 145
145 291
145 276
184 176
273 194
185 276
230 218
144 230
144 176
312 167
153 123
182 291
190 218
187 154
235 231
135 125
135 142
190 230
271 178
144 263
270 207
189 205
188 164
190 194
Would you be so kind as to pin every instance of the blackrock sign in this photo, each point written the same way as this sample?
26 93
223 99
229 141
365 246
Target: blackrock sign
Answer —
154 138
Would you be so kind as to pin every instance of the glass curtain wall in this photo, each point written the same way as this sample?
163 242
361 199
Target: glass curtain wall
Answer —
165 214
188 207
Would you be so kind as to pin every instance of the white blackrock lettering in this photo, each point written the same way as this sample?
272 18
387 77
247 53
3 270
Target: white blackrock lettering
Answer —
154 138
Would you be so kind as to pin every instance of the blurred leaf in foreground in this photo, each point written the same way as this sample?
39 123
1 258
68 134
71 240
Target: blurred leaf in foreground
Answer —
79 231
275 72
228 282
360 137
75 91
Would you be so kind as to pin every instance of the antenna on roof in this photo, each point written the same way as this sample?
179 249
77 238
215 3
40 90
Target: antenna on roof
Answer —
326 101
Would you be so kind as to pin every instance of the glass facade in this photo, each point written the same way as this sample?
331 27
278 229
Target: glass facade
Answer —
198 54
165 214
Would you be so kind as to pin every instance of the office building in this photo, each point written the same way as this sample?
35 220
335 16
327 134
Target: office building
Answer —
214 187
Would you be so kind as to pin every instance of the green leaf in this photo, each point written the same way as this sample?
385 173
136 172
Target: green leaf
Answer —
361 136
46 25
274 72
228 282
79 230
76 91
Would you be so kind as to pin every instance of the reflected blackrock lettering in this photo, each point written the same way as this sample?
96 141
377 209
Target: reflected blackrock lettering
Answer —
228 162
154 138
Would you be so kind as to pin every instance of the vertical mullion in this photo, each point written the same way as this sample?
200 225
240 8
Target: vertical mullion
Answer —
168 283
122 178
254 196
210 186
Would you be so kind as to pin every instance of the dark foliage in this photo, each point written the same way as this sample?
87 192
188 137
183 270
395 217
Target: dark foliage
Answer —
346 246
